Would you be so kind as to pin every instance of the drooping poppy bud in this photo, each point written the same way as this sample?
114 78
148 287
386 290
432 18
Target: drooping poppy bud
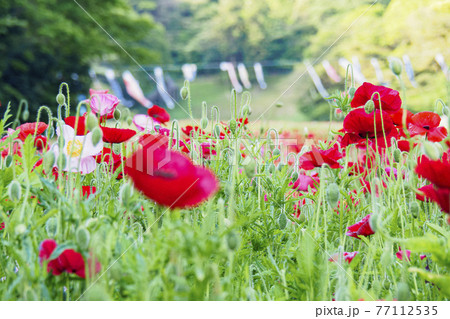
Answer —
369 106
184 92
48 162
14 191
83 238
96 136
61 99
333 195
91 122
396 66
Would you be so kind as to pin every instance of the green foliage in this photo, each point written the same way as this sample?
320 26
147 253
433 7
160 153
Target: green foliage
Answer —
45 42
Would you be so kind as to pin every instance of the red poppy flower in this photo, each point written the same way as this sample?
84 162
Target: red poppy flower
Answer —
40 142
427 123
159 114
29 129
440 196
403 253
304 182
421 195
348 257
112 159
390 99
88 190
361 228
116 135
359 125
316 158
170 178
68 261
2 226
81 127
437 172
397 117
404 145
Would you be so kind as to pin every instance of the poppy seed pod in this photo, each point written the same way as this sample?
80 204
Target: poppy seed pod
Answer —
397 155
333 195
352 91
91 122
61 160
217 131
184 92
48 161
8 160
276 152
431 150
96 136
294 177
245 110
14 191
51 227
396 66
83 238
369 106
61 99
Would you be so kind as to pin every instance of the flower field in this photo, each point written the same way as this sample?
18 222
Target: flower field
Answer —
108 205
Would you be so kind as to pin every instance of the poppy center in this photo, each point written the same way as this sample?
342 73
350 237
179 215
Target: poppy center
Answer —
427 127
74 149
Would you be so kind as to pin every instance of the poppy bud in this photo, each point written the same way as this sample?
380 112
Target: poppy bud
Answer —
352 91
249 169
25 115
282 221
61 161
20 229
333 195
125 194
184 92
14 191
431 150
369 106
30 295
51 227
373 222
117 148
396 66
48 162
117 114
403 293
96 136
276 152
338 114
233 125
245 110
204 123
83 238
279 104
397 155
51 132
61 99
414 209
280 166
386 284
129 120
271 168
8 160
91 122
294 177
445 110
217 131
232 241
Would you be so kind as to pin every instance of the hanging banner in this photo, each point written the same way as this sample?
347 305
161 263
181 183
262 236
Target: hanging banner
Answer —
243 75
189 71
229 68
331 72
260 75
316 79
115 86
441 61
409 70
344 63
134 89
161 87
378 72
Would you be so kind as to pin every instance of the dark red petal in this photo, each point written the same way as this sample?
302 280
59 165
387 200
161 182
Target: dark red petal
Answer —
116 135
29 128
81 125
159 114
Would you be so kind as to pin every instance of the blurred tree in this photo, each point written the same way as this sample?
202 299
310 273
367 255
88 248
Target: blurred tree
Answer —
45 42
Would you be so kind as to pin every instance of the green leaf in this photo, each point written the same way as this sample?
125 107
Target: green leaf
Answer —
59 250
442 281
